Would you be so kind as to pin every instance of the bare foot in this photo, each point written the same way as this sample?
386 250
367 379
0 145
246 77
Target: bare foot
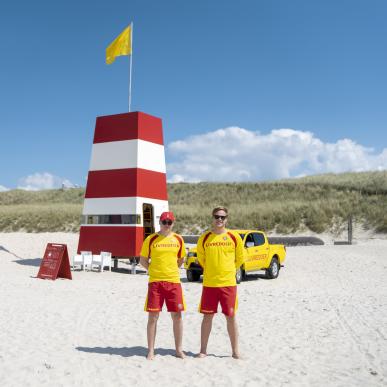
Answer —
150 356
180 354
236 355
201 355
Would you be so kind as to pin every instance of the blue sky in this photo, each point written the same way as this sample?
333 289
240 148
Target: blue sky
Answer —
247 90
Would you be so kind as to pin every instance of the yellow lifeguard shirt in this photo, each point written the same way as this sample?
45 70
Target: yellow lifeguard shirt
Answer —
220 255
164 253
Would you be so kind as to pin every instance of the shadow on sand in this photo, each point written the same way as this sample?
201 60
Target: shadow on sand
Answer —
128 271
2 248
254 277
130 351
185 281
249 277
29 262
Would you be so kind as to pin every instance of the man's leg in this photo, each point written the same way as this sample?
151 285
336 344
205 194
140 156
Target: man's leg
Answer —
232 329
151 333
178 333
205 333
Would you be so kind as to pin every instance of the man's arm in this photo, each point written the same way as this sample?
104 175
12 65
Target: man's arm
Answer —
182 251
180 261
200 252
239 252
144 262
145 252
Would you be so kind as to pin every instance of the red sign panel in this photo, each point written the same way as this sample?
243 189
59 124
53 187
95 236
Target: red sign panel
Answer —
55 263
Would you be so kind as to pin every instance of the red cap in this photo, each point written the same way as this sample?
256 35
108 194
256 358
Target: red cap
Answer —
167 215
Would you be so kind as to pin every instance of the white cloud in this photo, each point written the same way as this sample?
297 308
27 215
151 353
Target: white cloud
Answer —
237 154
3 189
45 180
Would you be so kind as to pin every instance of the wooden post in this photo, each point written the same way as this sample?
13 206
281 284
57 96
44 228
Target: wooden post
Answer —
350 230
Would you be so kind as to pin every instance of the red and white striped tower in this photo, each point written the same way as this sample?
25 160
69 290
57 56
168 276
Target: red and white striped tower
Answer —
126 189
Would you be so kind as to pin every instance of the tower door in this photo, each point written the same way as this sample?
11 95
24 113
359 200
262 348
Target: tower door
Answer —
147 215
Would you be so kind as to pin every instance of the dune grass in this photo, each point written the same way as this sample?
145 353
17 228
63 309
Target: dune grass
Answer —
40 217
318 203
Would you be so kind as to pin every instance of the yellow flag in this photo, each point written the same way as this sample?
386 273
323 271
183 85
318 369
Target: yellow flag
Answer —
121 45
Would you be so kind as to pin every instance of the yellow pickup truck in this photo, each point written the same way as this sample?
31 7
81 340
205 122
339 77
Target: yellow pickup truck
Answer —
259 255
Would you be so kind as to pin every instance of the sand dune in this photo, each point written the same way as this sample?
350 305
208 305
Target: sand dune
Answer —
323 322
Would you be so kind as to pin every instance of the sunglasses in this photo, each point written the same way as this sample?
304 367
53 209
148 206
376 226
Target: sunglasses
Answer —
221 217
167 222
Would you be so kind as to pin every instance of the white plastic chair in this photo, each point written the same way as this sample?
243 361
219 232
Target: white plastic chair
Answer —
82 260
102 260
87 258
77 261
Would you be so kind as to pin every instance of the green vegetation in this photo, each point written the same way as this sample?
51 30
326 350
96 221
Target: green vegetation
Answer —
319 203
41 211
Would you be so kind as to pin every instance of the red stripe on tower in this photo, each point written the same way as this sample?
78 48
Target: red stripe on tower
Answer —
127 183
124 241
128 126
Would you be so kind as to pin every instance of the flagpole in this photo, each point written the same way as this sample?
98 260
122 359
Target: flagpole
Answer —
130 64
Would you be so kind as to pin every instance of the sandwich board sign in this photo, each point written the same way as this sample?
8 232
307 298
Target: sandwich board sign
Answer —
55 263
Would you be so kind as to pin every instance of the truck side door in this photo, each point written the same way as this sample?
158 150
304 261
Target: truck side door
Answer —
250 252
261 246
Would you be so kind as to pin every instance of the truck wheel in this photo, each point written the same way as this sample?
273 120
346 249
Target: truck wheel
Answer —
273 270
192 275
238 276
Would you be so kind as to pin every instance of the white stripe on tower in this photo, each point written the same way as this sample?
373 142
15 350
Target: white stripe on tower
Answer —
127 154
117 206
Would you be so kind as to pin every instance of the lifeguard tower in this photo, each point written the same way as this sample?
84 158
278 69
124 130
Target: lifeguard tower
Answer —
126 189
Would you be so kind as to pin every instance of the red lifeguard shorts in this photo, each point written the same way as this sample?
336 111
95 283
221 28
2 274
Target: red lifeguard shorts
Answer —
161 291
226 296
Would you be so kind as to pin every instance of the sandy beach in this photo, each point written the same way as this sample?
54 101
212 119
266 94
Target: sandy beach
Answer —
322 322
